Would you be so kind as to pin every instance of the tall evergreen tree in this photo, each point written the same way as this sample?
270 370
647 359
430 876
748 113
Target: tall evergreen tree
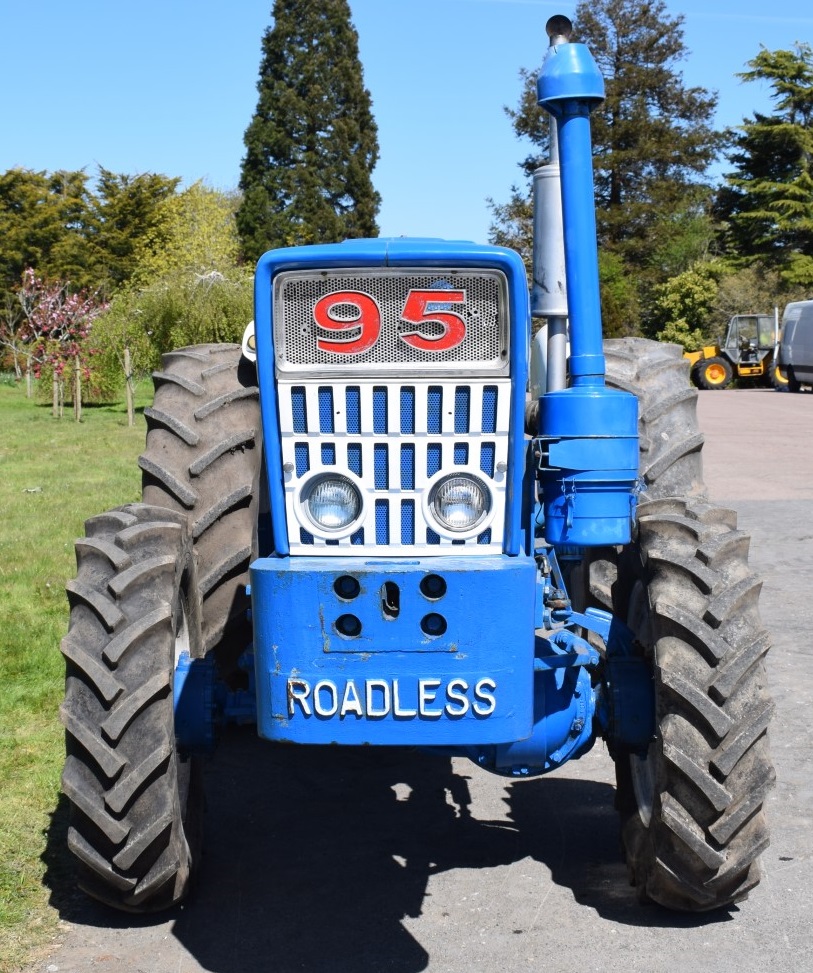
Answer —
768 202
653 140
128 213
312 144
45 222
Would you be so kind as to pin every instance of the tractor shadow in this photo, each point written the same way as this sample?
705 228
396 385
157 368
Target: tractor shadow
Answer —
314 856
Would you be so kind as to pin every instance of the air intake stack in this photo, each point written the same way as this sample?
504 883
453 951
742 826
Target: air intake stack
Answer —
588 433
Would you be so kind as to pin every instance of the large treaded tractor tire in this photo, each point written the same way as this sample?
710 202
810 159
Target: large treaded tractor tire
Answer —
203 459
136 805
692 810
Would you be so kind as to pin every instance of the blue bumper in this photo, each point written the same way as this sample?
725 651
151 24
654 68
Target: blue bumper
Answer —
428 652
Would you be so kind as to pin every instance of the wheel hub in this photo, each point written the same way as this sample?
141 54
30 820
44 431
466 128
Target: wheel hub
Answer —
715 374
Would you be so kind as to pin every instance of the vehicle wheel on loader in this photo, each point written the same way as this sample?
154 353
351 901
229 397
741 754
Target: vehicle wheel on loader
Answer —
203 459
714 373
692 810
135 804
778 377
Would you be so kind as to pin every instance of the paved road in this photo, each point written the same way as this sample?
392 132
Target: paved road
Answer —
365 862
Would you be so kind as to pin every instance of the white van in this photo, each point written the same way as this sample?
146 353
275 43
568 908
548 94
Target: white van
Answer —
795 356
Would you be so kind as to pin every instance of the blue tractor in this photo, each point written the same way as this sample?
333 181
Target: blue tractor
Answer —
374 523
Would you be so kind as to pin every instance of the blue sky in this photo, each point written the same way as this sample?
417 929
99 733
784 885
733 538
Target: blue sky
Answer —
170 85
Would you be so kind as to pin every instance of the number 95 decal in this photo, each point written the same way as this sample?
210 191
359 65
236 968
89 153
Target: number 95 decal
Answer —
353 320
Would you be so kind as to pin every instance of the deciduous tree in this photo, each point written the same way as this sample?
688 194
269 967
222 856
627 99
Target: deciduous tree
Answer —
684 306
194 232
186 286
56 329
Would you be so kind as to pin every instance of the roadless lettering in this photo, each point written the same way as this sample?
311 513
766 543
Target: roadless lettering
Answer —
381 698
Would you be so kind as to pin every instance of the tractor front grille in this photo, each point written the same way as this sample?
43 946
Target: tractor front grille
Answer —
393 378
393 439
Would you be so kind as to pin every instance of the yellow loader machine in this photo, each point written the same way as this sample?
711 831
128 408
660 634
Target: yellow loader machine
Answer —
749 352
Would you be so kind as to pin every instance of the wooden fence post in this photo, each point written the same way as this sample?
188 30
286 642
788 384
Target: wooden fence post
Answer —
77 390
128 387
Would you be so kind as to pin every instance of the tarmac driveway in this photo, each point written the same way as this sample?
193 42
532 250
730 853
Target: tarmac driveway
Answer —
365 861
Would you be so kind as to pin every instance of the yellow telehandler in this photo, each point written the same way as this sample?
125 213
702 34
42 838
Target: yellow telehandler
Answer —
749 352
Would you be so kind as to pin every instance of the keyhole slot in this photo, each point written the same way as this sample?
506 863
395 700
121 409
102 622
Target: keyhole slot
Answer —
390 600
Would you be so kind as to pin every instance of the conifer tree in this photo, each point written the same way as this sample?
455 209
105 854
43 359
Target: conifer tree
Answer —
653 136
768 202
45 223
312 144
128 211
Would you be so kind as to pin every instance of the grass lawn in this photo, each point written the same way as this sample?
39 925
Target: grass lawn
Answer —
54 474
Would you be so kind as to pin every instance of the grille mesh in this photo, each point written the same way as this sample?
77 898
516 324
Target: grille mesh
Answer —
484 347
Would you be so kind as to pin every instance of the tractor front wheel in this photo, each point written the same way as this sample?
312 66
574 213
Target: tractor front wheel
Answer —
714 373
691 808
136 803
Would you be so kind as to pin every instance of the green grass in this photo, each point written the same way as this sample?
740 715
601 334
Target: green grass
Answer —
54 474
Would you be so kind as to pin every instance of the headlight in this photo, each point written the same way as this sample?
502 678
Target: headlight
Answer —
460 503
332 503
250 343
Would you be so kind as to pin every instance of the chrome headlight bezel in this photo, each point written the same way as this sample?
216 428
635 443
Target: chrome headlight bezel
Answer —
305 511
433 497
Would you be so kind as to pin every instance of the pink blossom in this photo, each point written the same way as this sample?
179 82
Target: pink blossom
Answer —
58 323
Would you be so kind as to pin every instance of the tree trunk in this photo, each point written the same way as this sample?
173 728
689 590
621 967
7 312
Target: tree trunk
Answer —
28 389
55 397
77 390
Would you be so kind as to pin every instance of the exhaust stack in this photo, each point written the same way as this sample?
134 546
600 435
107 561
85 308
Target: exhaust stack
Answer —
548 293
587 446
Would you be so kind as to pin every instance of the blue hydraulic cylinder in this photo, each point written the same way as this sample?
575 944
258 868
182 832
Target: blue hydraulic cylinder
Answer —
193 688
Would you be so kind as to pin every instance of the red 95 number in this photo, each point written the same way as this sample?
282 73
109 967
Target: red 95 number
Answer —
366 320
357 326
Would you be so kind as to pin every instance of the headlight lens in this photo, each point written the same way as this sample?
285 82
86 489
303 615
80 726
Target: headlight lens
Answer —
333 503
460 503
